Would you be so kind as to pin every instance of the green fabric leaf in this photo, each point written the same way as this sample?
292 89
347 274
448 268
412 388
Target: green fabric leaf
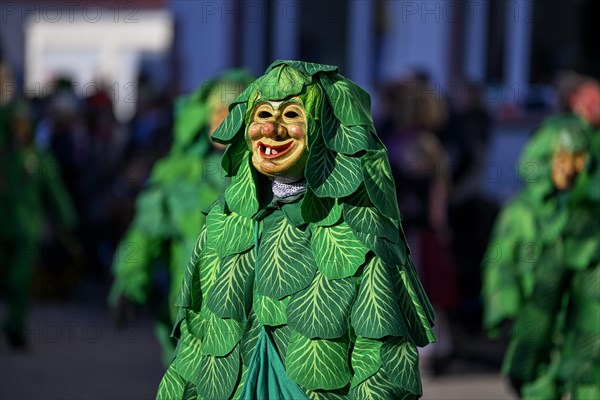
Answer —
245 95
366 359
581 251
337 251
400 360
345 139
250 338
234 156
187 361
241 194
221 334
270 311
332 174
412 309
218 375
241 383
285 261
322 309
190 392
340 394
281 337
306 68
293 213
318 363
378 387
544 387
281 82
132 267
376 312
194 323
362 216
172 385
379 183
226 298
334 215
229 234
390 252
150 215
323 211
351 104
190 116
231 126
185 294
204 276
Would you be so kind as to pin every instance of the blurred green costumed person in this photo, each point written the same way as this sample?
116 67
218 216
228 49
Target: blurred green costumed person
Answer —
301 285
169 215
31 190
543 264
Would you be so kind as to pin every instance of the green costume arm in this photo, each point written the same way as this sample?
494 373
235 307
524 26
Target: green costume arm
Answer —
508 263
132 267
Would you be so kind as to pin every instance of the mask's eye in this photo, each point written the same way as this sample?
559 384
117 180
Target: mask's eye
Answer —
291 114
264 114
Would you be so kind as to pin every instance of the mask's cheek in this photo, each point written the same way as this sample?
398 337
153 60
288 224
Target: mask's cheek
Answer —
254 131
297 131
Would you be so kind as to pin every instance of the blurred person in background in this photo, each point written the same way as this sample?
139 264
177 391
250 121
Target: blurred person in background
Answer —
543 263
471 213
169 210
416 116
30 190
106 139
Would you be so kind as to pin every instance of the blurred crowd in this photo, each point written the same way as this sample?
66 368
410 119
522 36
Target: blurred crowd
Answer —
82 171
70 174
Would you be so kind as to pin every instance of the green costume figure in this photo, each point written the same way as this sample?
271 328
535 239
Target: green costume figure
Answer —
30 189
543 268
301 285
169 210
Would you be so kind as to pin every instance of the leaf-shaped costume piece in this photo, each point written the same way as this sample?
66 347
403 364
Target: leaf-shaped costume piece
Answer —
542 268
169 210
331 306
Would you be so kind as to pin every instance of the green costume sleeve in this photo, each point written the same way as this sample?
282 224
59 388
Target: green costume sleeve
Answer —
509 261
131 267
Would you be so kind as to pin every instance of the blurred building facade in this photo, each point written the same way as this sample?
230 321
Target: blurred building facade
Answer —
510 43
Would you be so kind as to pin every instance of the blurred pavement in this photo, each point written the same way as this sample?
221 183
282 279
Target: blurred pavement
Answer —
75 353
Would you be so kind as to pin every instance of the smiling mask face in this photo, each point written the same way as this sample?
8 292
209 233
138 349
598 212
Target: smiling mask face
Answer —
276 136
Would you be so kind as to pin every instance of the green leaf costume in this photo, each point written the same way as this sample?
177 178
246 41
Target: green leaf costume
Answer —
169 210
310 294
31 189
543 269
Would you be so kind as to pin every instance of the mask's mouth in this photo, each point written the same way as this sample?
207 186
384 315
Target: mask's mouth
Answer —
270 151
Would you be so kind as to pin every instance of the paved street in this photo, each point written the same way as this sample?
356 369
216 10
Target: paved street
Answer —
75 353
472 386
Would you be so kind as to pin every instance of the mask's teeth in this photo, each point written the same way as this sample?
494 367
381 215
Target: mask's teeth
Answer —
273 151
268 151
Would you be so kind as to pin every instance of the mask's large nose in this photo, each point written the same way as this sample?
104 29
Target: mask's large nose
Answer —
275 129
